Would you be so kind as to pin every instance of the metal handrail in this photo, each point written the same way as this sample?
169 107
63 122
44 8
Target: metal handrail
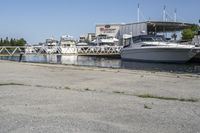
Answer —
79 50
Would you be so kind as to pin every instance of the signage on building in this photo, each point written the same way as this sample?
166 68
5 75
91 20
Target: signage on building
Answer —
107 29
111 30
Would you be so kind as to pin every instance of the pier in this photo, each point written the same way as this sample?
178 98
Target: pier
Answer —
75 50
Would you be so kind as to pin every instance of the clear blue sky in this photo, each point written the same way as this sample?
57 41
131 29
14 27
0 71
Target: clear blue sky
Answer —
36 20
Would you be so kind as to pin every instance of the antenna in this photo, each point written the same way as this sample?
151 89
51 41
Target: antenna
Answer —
175 15
138 13
164 13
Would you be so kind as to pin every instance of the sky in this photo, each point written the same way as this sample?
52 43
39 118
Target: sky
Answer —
37 20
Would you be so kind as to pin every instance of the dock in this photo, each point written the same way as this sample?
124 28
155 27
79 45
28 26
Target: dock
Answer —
75 50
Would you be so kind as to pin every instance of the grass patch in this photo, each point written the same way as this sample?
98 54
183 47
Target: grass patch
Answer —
189 100
147 107
118 92
87 89
8 84
67 88
168 98
39 86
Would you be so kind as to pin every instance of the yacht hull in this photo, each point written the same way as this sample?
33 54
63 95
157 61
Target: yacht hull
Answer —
197 57
173 55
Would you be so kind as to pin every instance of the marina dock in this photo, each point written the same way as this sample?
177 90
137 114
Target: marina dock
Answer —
88 99
75 50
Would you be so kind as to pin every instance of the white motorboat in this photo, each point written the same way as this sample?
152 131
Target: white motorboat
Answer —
104 40
156 49
30 49
51 46
68 45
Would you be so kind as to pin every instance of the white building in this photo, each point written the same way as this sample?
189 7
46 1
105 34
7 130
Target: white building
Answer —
141 28
111 30
87 38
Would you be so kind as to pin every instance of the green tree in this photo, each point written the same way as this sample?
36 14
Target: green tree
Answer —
21 42
12 43
188 34
1 42
6 42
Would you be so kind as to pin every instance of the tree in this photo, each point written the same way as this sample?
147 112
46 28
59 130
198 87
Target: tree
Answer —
21 42
1 42
12 43
188 34
6 41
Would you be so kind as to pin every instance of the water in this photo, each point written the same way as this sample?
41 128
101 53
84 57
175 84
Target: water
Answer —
108 63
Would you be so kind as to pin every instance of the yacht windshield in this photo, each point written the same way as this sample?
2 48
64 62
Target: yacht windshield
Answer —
158 39
148 39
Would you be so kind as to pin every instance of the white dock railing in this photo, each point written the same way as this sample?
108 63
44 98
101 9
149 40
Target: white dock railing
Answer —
76 50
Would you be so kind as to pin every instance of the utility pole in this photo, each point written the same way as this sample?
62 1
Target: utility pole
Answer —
175 15
164 13
138 13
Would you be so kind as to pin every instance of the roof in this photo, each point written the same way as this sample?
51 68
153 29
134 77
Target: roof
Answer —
161 26
111 24
156 26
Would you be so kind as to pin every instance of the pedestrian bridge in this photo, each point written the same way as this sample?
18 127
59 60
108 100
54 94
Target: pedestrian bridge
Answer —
75 50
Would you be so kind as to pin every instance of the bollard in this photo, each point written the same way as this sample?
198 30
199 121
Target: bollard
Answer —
20 56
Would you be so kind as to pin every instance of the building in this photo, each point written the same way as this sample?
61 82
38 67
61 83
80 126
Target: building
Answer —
141 28
133 29
91 37
82 38
152 27
111 30
87 38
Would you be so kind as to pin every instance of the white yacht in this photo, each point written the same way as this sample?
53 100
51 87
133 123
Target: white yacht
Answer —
104 40
68 45
156 49
30 49
51 46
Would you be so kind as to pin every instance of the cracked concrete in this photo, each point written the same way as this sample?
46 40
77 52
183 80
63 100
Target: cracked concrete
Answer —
57 98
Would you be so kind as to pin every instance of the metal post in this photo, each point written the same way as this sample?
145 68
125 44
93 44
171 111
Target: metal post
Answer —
175 15
138 13
131 37
164 13
20 56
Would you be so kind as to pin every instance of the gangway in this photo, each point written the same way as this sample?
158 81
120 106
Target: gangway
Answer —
75 50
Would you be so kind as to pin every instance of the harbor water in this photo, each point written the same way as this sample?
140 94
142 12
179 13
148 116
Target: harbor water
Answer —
107 62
